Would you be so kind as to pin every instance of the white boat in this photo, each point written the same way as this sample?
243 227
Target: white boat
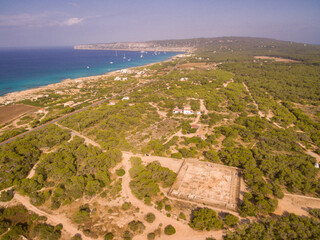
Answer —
129 59
124 56
88 67
111 62
141 56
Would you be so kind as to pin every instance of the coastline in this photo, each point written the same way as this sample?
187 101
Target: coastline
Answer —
17 96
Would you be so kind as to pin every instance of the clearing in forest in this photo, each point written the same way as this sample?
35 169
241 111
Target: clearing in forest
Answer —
208 183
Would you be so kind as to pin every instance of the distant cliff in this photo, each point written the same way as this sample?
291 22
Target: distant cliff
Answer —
137 46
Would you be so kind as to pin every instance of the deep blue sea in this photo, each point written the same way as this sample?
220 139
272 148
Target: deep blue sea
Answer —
22 69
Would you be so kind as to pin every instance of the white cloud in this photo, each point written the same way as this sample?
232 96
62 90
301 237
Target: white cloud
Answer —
46 19
73 21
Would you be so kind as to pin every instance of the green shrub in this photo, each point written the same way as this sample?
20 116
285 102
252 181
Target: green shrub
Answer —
315 212
6 196
167 208
126 205
127 235
182 216
76 237
169 230
151 236
205 218
231 220
150 217
120 172
136 226
109 236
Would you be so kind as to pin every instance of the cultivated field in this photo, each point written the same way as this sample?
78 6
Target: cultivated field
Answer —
8 113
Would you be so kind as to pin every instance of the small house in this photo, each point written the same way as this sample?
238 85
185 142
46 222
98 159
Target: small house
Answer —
316 165
117 78
187 111
41 110
68 104
177 110
113 102
125 98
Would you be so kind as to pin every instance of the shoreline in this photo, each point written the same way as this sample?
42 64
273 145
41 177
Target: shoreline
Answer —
17 96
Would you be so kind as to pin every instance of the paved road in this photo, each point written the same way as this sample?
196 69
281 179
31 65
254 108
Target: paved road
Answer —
85 108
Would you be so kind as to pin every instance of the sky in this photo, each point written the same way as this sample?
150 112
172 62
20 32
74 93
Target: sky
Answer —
38 23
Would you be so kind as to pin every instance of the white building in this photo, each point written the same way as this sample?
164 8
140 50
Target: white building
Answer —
187 111
316 165
70 103
117 78
125 98
177 110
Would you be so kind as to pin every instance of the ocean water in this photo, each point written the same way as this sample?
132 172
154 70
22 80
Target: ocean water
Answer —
22 69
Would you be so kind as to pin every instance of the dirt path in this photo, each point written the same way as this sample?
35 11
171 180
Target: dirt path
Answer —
313 154
261 114
68 227
75 133
254 101
161 113
227 83
32 171
203 107
45 114
180 134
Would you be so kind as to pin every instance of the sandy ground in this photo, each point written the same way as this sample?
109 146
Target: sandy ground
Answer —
227 83
297 204
8 113
277 59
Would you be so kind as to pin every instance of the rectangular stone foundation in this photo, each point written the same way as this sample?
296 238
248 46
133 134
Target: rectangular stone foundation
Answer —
209 183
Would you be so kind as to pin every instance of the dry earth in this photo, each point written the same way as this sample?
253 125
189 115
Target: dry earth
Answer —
8 113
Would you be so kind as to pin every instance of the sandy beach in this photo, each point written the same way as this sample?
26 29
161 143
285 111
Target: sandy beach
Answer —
14 97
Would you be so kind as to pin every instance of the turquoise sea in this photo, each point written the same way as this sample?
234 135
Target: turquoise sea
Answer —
22 69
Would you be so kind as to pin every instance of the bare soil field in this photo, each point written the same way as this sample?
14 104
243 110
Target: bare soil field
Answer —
277 59
196 66
11 112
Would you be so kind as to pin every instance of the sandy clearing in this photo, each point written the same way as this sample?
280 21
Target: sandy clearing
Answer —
277 59
8 113
227 83
68 227
297 204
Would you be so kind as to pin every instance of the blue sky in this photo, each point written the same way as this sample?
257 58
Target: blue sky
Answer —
69 22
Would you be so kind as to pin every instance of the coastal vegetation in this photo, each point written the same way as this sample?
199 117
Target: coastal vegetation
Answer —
254 105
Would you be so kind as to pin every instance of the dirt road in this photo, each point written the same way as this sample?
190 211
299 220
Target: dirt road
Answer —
68 227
